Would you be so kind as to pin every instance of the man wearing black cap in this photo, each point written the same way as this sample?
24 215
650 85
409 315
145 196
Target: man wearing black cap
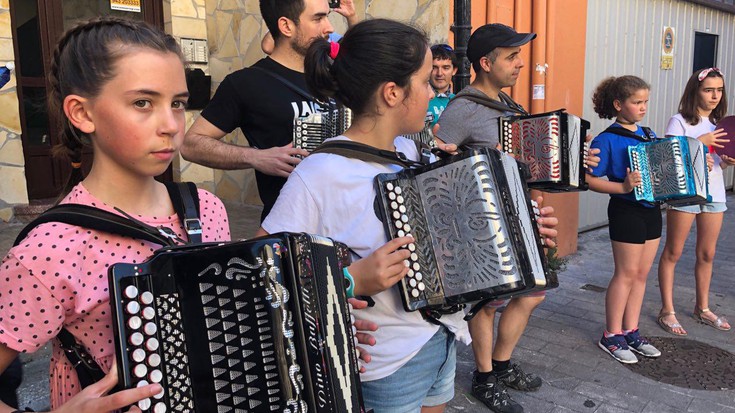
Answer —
471 118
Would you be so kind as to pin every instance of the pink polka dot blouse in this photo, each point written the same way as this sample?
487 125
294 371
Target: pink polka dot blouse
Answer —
57 277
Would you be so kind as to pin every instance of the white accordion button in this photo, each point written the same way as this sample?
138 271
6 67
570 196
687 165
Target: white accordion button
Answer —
144 404
398 190
399 225
154 360
149 313
407 228
150 329
396 215
412 247
140 370
131 291
414 257
392 196
399 199
410 272
138 355
422 287
160 407
419 276
156 376
151 344
412 282
389 186
401 233
415 293
402 209
394 205
135 322
132 307
416 266
136 339
146 298
142 383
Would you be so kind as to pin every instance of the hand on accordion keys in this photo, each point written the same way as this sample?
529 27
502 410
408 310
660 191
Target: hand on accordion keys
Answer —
591 160
359 328
94 398
632 180
547 223
383 268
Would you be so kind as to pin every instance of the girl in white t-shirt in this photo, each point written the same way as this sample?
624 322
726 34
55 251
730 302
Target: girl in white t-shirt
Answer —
381 71
702 105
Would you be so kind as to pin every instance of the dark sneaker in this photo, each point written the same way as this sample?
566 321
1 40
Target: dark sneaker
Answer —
494 395
517 379
617 347
641 345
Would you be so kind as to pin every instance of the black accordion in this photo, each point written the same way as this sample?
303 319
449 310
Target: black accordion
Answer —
425 136
552 145
310 131
475 230
249 326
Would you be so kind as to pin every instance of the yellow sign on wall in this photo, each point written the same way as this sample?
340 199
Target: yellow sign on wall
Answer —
125 5
667 48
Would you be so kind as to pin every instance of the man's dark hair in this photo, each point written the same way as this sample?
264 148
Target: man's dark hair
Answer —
444 52
272 10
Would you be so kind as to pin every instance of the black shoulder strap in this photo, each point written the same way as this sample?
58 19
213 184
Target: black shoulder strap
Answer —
94 218
491 103
185 199
366 153
287 83
619 130
88 371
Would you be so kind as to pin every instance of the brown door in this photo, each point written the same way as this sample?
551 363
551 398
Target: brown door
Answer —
37 25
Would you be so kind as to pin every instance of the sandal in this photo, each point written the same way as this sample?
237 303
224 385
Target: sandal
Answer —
669 327
717 323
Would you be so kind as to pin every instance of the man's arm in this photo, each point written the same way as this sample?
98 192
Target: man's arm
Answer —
203 145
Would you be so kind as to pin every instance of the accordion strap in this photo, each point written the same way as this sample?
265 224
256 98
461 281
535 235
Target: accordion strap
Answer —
185 200
619 130
289 84
505 104
366 153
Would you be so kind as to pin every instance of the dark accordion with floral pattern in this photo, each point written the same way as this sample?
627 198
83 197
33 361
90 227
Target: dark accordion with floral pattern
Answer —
552 145
475 230
251 326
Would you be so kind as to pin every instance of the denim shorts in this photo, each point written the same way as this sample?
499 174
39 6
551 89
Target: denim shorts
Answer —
710 207
426 380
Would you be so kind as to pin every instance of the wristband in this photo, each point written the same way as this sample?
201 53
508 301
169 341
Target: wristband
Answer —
349 283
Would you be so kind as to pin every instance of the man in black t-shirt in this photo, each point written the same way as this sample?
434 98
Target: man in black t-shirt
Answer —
261 105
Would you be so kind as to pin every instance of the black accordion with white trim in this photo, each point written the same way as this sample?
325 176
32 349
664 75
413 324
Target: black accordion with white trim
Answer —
552 145
310 131
250 326
475 230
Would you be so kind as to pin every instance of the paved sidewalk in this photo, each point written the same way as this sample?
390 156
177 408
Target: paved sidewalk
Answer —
560 341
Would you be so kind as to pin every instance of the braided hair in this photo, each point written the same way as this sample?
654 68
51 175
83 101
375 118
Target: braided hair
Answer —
83 62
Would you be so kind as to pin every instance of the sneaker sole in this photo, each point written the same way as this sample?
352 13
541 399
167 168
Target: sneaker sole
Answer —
644 354
614 356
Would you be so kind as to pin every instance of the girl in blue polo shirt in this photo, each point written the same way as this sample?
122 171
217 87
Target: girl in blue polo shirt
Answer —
635 226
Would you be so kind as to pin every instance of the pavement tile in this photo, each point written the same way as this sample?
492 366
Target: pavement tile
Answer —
706 406
621 400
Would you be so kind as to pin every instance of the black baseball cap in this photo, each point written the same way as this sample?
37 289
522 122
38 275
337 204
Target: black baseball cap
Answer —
486 38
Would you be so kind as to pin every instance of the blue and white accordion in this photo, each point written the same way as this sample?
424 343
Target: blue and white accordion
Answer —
474 226
249 326
552 145
673 170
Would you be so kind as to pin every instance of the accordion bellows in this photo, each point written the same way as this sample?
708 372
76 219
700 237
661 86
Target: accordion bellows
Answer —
250 326
673 170
474 227
552 145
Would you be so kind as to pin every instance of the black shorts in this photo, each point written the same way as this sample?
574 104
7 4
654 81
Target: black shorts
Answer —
632 222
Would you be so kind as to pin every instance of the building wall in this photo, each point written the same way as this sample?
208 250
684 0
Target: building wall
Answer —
624 37
12 171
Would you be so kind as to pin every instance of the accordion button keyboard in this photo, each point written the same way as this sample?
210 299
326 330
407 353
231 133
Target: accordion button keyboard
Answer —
131 292
135 322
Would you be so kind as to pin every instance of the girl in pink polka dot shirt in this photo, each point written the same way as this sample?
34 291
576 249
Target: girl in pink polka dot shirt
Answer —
119 87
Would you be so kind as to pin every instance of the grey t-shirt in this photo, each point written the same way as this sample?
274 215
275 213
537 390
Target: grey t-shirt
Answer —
464 122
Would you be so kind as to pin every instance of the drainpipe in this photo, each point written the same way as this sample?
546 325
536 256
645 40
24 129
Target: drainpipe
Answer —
462 28
538 56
